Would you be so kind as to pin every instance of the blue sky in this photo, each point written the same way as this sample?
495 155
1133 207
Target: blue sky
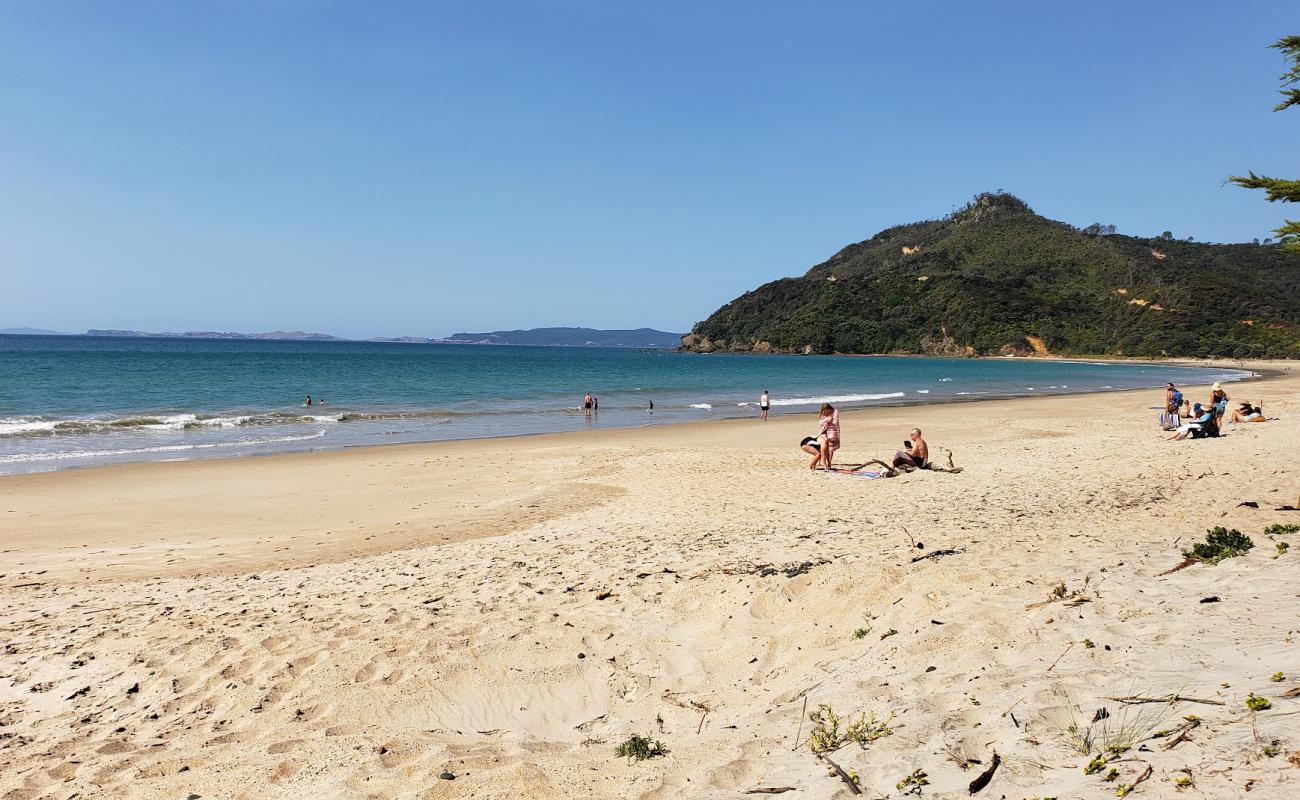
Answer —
424 168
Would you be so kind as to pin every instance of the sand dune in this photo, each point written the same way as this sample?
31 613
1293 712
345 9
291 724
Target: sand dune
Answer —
357 624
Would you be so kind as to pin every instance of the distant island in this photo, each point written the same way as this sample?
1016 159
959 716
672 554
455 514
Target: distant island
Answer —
30 332
294 336
994 278
573 337
538 337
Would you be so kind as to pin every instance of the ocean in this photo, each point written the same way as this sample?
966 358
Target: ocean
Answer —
71 401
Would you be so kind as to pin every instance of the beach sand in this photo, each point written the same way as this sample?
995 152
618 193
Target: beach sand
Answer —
358 623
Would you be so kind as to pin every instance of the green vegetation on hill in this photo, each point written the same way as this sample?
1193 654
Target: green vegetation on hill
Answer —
996 278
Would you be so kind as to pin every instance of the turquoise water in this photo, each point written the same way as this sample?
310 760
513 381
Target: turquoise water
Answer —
76 400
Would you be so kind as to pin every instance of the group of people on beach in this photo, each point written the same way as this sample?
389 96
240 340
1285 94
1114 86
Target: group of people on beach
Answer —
1188 420
822 447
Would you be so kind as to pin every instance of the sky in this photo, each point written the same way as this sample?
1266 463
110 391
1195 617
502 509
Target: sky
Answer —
423 168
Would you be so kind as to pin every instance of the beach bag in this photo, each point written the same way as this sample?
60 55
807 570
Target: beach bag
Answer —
1176 400
1170 421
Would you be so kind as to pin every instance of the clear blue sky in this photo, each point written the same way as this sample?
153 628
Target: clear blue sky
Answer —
423 168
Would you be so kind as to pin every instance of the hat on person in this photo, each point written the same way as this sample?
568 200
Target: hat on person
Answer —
1218 387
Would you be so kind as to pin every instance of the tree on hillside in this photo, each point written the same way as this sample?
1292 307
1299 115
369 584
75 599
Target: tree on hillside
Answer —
1288 191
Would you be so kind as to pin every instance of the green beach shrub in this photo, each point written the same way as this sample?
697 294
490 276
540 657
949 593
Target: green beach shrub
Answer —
828 736
1220 543
638 748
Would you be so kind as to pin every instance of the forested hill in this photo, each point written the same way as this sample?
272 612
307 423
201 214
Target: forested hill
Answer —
996 278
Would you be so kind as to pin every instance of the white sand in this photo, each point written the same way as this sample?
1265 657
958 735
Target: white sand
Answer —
354 624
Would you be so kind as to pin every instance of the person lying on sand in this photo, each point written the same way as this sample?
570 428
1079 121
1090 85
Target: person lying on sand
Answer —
1247 413
916 455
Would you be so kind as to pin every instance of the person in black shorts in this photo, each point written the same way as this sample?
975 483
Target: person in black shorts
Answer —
764 403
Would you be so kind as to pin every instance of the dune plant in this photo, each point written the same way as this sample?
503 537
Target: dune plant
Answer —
1111 735
1220 543
831 731
638 748
912 783
1280 529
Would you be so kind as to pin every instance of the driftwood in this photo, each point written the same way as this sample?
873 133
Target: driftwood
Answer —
844 776
1294 691
937 554
1184 564
1169 698
1180 734
1061 656
770 790
986 775
1145 774
802 715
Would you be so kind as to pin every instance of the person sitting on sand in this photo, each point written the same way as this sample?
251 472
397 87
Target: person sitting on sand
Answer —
1247 413
1203 417
917 454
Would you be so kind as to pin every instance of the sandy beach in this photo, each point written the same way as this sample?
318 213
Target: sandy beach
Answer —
490 619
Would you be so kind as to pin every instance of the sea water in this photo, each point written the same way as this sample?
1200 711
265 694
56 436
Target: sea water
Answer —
78 400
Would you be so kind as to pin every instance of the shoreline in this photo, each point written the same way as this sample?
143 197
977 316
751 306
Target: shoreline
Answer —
527 483
1262 371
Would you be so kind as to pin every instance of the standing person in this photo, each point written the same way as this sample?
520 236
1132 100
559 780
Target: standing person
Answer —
308 400
651 409
916 455
1171 417
1218 402
586 403
828 435
764 403
595 404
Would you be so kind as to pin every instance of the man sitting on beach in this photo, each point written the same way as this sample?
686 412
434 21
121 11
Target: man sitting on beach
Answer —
917 454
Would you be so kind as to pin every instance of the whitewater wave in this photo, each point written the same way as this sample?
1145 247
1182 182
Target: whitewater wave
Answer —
836 398
922 391
704 406
27 458
37 426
